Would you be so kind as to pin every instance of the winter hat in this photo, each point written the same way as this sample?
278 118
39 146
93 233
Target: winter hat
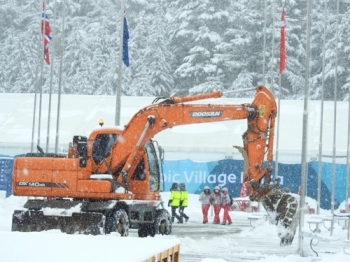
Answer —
182 186
225 189
174 186
206 188
217 188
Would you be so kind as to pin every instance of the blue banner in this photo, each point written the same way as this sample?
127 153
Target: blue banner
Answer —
6 164
228 173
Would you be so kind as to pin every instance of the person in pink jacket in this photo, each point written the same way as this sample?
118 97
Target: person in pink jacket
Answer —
204 197
226 205
216 202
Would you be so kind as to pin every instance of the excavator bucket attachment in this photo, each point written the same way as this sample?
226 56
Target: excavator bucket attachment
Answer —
283 209
281 206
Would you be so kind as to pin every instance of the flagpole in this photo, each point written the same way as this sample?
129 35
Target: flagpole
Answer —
119 80
36 83
273 46
281 69
60 80
42 67
347 207
264 54
319 177
335 112
278 125
50 94
34 109
304 135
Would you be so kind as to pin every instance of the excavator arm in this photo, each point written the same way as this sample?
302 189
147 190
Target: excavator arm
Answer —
257 140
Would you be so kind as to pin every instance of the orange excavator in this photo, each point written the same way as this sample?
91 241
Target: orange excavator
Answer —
110 181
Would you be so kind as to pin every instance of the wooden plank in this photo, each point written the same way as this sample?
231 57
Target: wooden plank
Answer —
170 254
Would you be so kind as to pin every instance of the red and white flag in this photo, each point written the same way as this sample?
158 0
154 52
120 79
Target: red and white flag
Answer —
46 31
283 44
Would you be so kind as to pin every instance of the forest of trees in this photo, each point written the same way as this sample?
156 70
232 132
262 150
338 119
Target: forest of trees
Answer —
176 47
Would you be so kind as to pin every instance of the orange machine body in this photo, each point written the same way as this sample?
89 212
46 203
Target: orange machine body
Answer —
130 157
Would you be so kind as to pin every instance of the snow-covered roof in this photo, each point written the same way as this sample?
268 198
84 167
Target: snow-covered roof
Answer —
209 141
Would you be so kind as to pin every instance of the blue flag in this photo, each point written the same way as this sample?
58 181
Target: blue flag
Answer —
125 43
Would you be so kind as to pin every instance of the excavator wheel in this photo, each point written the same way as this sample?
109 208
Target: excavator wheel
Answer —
146 230
121 222
91 230
162 223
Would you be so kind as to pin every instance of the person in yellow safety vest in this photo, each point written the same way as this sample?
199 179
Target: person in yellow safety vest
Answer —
183 202
174 201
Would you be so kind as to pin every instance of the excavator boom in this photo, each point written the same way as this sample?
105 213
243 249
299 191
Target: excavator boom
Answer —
258 139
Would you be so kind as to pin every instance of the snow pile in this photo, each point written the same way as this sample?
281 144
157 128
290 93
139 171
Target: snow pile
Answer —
249 244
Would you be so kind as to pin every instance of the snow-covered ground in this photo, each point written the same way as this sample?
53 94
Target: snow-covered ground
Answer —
216 245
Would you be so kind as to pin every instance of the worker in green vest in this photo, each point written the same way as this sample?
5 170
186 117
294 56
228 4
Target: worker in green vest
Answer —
183 201
174 202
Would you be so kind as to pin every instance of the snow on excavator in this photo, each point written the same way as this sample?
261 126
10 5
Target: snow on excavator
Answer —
110 181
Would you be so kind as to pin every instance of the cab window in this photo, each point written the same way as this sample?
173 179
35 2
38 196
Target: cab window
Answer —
139 173
153 166
102 146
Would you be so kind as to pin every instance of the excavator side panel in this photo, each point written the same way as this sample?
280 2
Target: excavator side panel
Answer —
93 186
64 175
31 173
52 175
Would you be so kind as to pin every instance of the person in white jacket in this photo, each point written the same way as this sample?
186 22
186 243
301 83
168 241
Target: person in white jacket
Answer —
216 202
226 205
204 197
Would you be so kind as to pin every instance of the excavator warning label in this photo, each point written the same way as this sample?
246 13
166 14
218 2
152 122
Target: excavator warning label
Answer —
206 113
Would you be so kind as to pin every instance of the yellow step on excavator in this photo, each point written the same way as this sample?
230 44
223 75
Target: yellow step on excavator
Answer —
110 181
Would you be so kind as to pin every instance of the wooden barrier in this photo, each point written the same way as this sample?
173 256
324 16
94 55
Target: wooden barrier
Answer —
171 254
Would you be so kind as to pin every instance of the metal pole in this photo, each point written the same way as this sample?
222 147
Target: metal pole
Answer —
335 111
41 69
347 167
60 80
35 95
36 78
273 47
319 178
279 97
305 128
119 81
278 124
264 48
50 94
34 109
